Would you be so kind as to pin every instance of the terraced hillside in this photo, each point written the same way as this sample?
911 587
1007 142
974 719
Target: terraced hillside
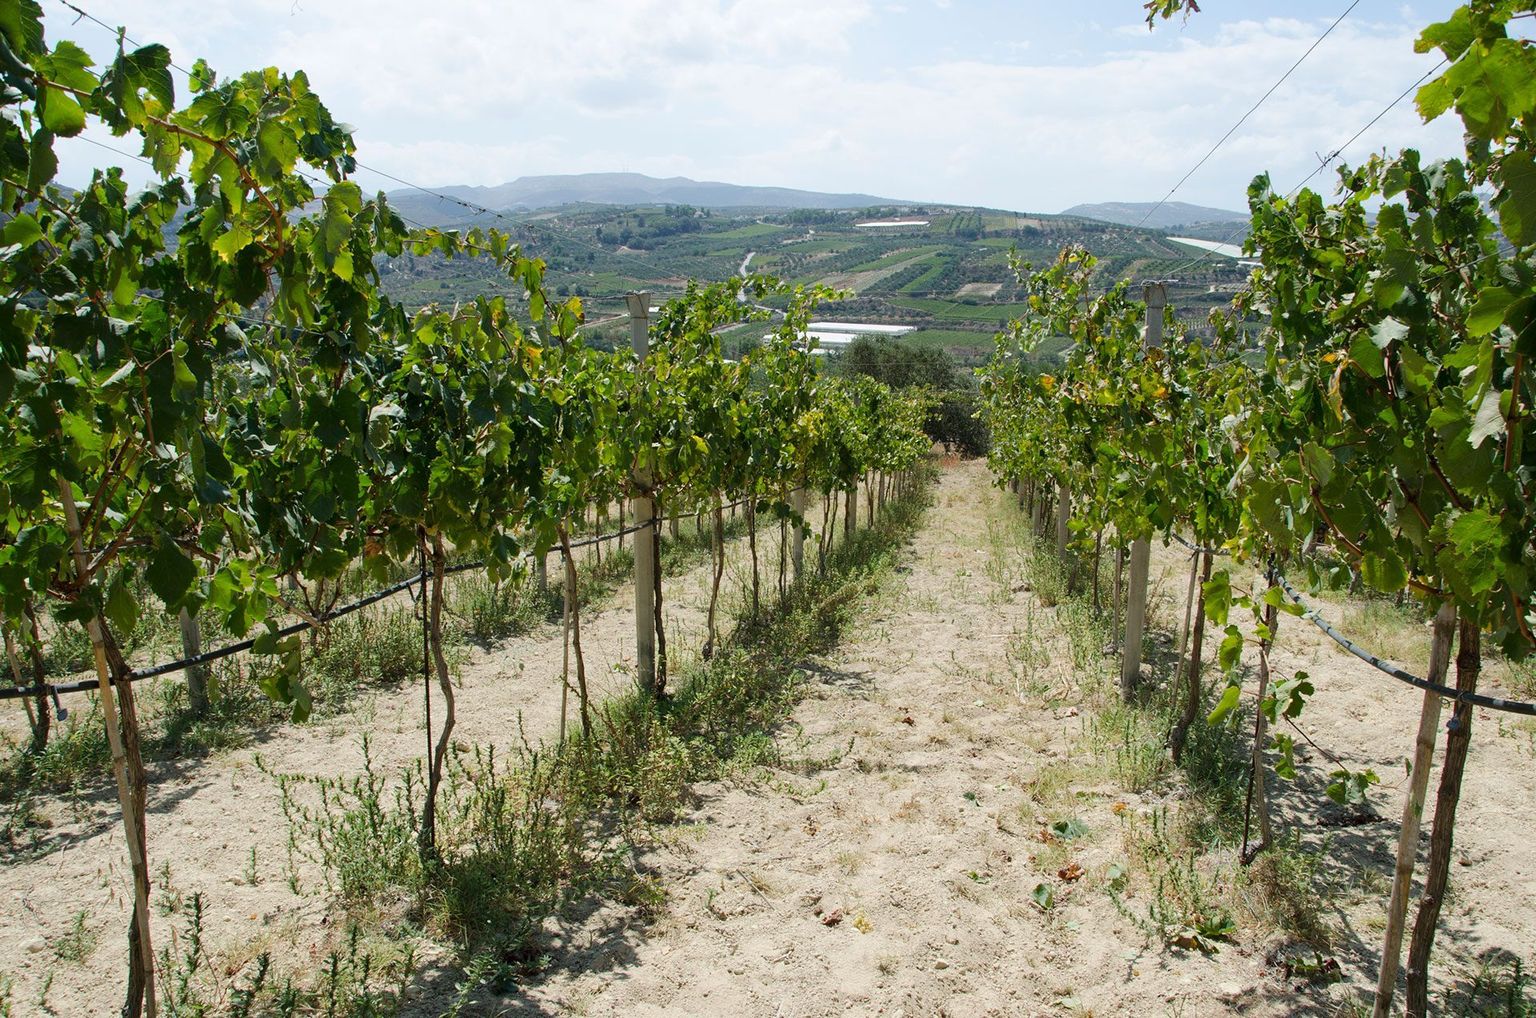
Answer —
946 271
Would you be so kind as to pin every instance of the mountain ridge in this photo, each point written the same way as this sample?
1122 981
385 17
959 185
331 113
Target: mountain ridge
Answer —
1169 215
554 190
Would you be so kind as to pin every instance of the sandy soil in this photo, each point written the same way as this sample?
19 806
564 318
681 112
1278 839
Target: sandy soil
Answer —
899 879
893 870
208 816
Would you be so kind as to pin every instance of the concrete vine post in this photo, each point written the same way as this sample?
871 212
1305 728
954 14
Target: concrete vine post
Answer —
197 675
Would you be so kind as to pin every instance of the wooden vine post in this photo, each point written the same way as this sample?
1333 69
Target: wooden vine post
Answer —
1063 523
1189 611
797 499
1098 558
1413 810
573 641
1117 592
1458 741
435 557
1190 704
39 711
197 675
644 513
850 511
126 767
565 661
1156 296
751 512
1258 792
717 567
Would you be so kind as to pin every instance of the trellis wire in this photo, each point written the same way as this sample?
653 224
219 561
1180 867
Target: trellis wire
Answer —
1480 699
1386 667
229 650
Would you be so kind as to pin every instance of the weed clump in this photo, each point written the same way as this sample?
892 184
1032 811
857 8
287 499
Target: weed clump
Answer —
1179 880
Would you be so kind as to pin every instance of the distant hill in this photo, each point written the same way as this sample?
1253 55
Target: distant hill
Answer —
619 189
1172 214
947 274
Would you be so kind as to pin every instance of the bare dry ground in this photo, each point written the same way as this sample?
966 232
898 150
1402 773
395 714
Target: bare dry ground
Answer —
978 290
859 281
216 825
957 732
967 826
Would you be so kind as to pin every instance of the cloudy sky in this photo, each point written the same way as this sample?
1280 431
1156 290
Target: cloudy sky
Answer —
1018 105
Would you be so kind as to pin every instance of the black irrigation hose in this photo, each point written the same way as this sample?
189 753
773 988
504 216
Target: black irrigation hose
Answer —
241 646
654 522
85 685
1199 550
1481 700
600 538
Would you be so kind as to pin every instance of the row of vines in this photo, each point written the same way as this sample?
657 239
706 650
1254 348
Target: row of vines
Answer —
1363 415
207 394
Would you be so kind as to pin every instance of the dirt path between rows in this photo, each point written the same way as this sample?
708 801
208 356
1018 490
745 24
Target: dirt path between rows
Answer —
903 885
901 877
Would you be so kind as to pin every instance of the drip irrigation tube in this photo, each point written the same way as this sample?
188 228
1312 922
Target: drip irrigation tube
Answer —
238 647
229 650
600 538
1219 552
1491 702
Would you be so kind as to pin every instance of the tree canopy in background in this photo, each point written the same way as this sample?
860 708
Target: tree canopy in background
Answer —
952 420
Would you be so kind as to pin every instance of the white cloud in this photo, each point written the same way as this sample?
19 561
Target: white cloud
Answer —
824 94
